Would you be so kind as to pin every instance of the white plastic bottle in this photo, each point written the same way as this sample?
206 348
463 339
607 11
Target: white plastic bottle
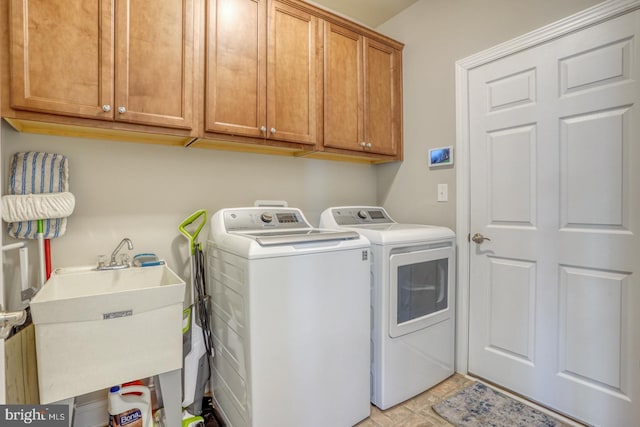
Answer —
130 410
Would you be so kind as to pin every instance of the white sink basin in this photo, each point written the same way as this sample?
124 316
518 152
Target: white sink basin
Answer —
83 293
96 329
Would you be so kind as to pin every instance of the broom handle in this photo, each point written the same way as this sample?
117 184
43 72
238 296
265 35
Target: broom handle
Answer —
47 258
40 235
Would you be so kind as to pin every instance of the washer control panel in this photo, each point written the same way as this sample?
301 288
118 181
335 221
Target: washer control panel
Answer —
361 215
260 218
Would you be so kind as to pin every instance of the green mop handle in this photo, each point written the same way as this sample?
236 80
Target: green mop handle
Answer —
193 237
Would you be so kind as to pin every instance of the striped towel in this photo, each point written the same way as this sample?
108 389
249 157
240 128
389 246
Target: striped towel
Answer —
38 173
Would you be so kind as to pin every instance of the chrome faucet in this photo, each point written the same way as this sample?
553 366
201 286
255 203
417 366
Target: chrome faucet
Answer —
113 263
120 245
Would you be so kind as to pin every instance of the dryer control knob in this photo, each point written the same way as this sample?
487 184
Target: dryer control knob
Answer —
362 214
266 217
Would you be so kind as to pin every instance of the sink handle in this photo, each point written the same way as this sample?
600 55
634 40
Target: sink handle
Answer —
190 220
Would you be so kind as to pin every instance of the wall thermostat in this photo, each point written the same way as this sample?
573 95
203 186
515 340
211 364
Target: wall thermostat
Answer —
442 156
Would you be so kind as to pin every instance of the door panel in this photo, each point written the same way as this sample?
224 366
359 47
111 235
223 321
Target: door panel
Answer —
343 89
511 308
591 199
236 84
293 100
154 60
586 337
62 56
511 158
382 110
555 293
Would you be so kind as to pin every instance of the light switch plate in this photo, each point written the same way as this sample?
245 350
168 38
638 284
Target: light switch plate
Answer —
443 193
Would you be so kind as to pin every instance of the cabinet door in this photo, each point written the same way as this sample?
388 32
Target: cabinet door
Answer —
235 101
383 103
343 88
154 62
62 56
293 100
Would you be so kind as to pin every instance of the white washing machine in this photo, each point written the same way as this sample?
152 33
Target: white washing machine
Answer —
412 301
290 320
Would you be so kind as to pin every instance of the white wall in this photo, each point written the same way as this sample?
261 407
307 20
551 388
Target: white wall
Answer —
436 34
144 191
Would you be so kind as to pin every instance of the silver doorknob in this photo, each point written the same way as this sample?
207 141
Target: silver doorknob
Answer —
122 110
272 130
363 144
106 108
263 128
368 145
479 238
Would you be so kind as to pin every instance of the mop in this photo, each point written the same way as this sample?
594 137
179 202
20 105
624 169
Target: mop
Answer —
32 175
38 201
197 340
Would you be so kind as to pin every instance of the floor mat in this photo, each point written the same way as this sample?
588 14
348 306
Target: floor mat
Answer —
480 406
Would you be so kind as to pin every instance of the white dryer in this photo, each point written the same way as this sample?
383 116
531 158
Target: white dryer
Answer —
290 320
412 301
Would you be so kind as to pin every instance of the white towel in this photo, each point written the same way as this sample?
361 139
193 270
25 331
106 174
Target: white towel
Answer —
28 207
38 173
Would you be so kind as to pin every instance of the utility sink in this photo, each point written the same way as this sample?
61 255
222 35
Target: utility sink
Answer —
96 329
82 293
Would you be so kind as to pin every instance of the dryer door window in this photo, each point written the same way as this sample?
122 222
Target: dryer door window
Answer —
420 294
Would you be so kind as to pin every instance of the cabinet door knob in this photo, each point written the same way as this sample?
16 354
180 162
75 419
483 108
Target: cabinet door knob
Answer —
106 108
122 110
263 128
272 130
363 144
368 145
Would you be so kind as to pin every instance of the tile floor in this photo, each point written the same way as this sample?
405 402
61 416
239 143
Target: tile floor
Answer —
417 412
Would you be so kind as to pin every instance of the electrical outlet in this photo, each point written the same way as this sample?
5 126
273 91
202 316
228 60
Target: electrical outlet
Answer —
443 193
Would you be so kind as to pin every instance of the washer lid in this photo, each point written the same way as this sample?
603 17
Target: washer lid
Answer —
292 237
265 232
383 234
375 224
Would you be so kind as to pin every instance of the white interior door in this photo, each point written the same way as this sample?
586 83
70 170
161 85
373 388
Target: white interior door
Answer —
554 140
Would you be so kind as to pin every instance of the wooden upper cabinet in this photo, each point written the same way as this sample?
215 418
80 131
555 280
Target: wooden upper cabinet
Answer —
64 61
343 88
382 98
154 62
236 85
280 73
61 56
262 83
362 93
293 81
